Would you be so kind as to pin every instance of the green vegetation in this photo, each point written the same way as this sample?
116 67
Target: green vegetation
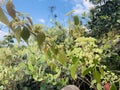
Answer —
61 56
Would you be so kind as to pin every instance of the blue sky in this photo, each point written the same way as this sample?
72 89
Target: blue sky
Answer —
39 10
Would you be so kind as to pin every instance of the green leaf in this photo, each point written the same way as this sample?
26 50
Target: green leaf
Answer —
69 13
57 75
3 17
10 9
17 33
93 82
49 54
35 76
74 59
83 15
30 20
30 67
69 23
40 38
18 23
95 61
87 71
99 87
113 87
40 79
54 50
76 20
97 76
6 81
62 57
52 65
25 34
73 70
101 71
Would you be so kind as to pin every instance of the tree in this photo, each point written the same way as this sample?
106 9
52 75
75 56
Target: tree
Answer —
64 56
105 17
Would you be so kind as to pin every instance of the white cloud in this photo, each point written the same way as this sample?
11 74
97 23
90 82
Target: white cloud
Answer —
82 6
78 9
2 34
41 20
88 4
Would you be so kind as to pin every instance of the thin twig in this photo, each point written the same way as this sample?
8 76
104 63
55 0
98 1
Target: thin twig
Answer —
87 82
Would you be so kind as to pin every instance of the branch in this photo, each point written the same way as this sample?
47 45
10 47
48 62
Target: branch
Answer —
87 82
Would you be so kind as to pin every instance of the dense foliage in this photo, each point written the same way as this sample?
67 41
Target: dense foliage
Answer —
58 56
105 17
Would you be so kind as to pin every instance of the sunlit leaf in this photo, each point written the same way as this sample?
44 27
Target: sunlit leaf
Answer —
10 8
48 53
87 71
30 20
57 75
18 23
17 33
70 12
54 50
76 20
52 65
3 17
83 15
97 76
93 82
40 79
73 70
40 38
30 67
101 71
28 26
45 49
99 87
74 59
37 28
62 57
25 34
71 32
